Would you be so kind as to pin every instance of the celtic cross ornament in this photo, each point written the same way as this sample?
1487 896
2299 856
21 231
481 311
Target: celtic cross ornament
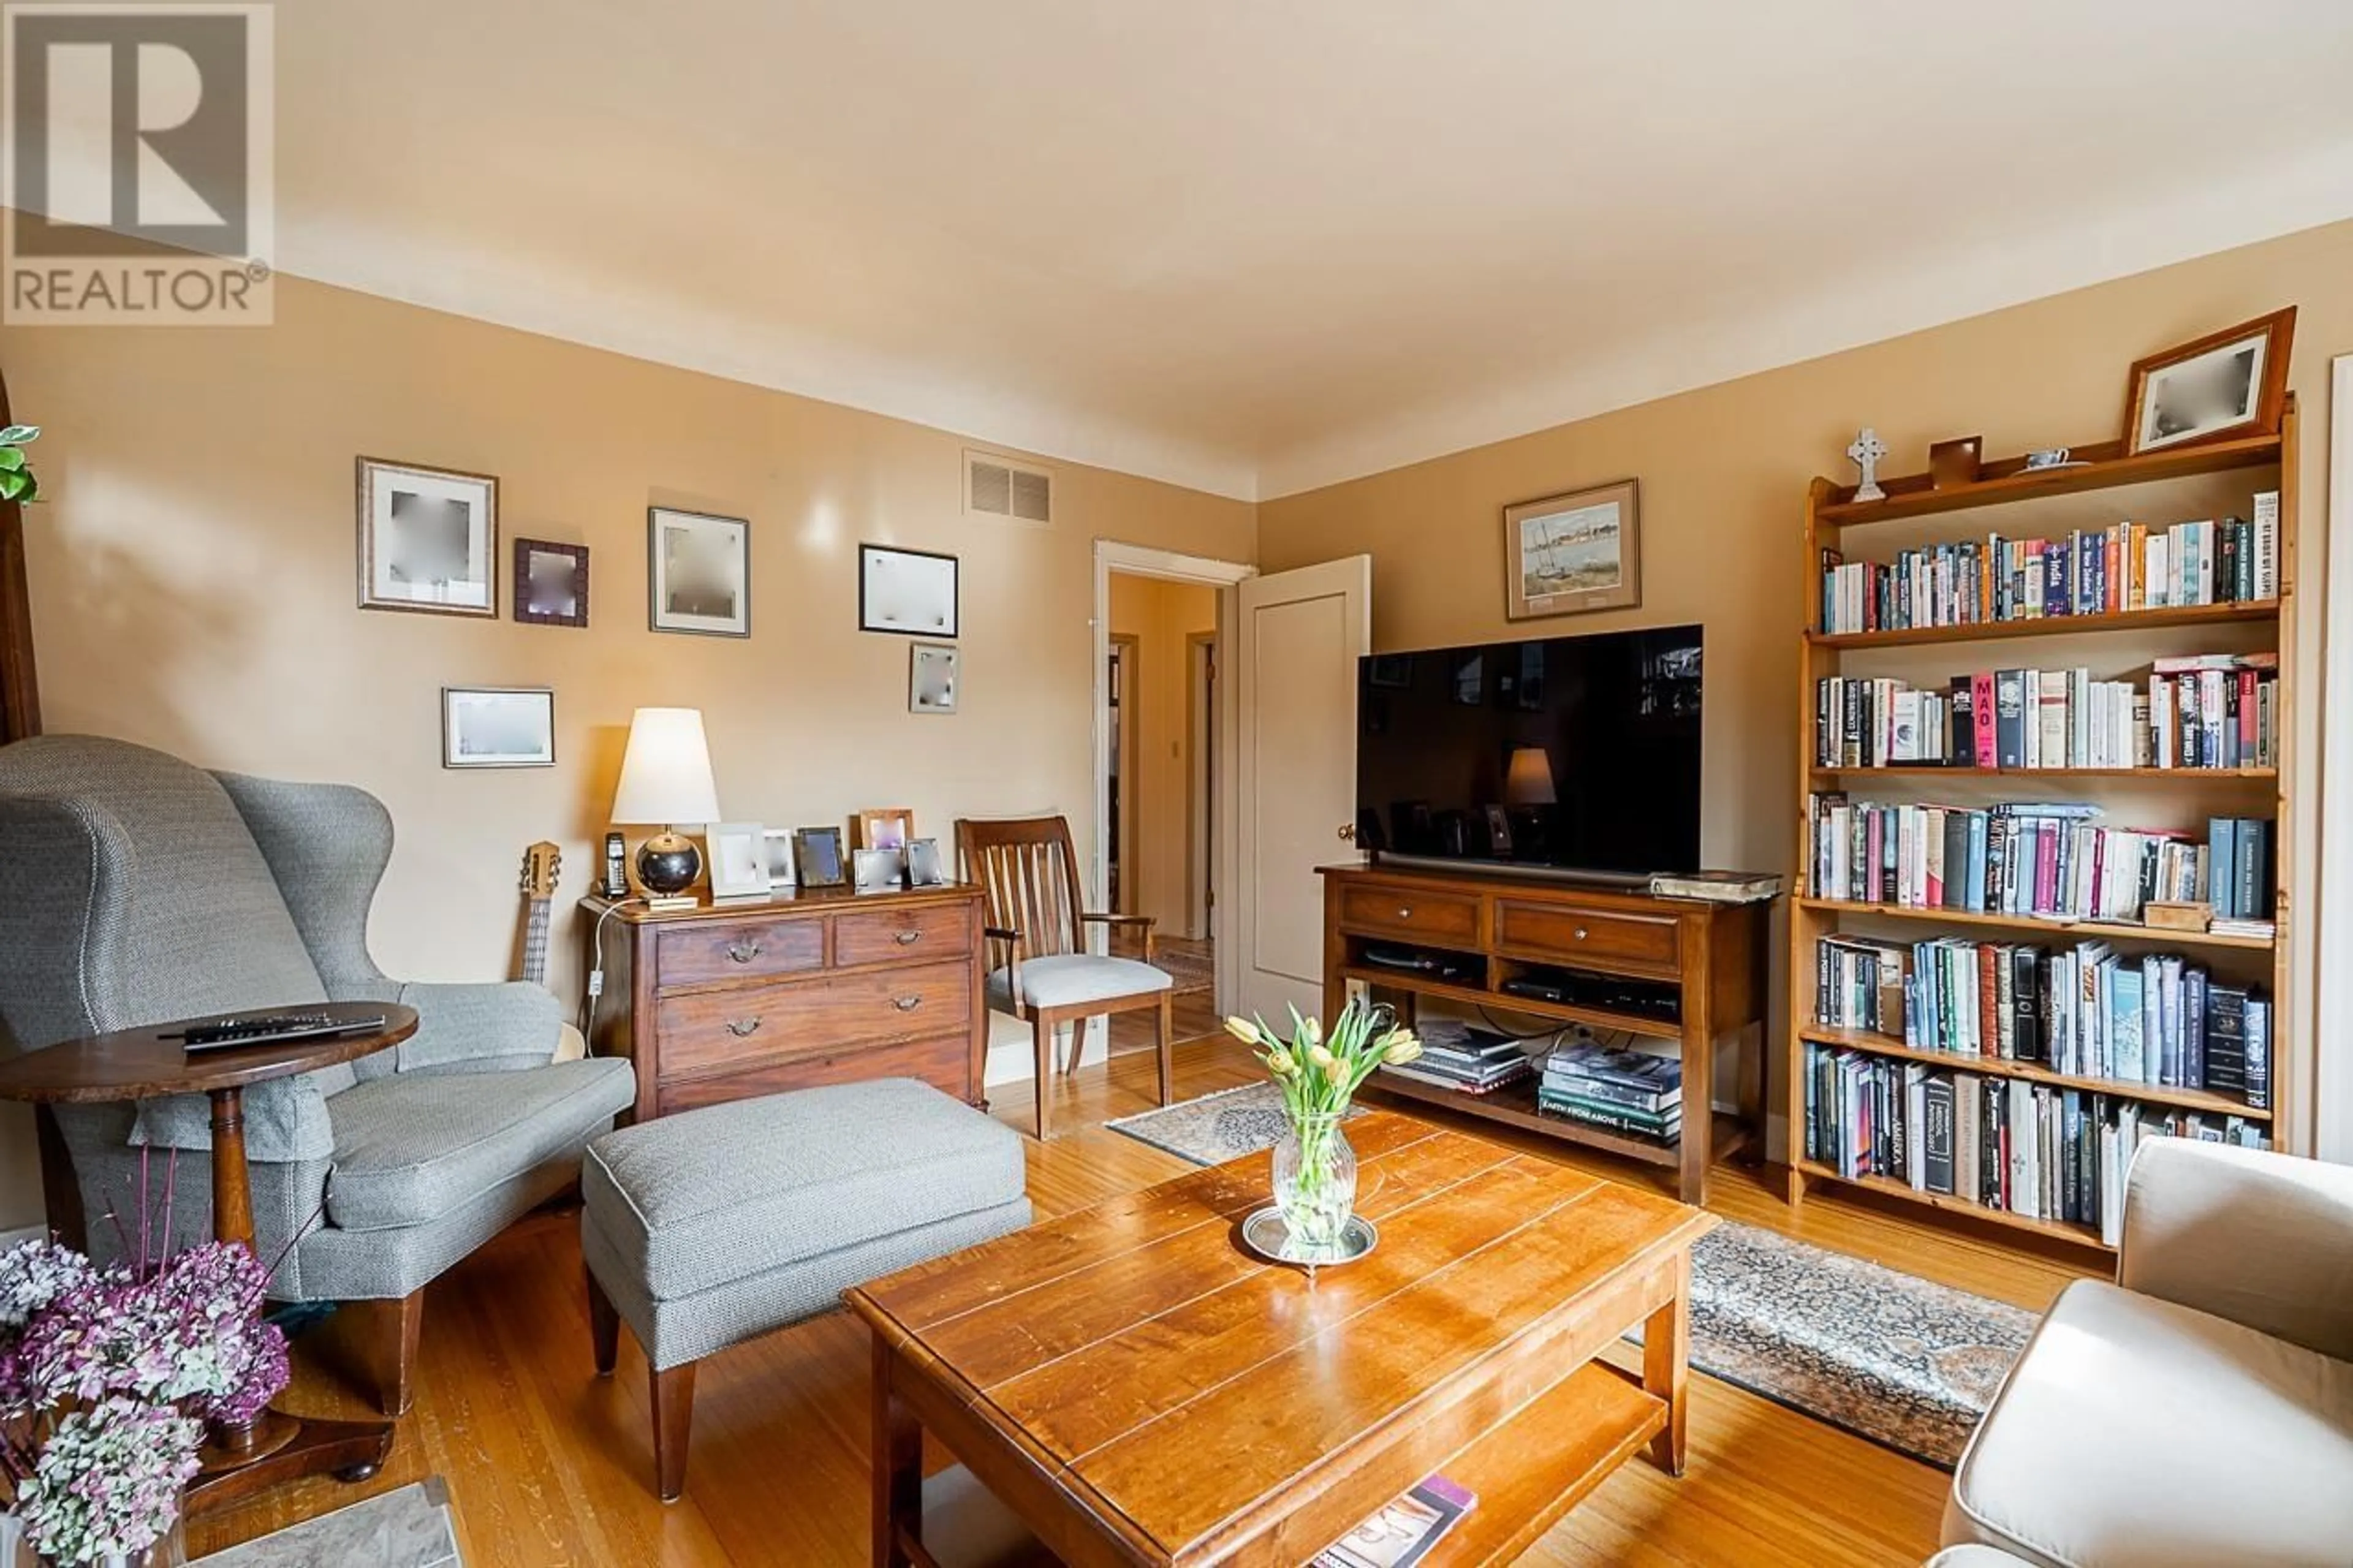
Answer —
1867 450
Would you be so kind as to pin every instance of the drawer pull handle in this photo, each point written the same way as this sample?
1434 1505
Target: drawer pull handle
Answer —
1405 914
741 1027
908 938
906 1004
1580 933
745 952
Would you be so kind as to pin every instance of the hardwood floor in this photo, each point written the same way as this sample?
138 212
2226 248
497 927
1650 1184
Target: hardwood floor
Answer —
549 1465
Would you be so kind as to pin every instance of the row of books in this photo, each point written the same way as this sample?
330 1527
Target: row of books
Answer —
2109 571
1623 1092
2040 860
2025 1148
1473 1061
2206 710
2156 1020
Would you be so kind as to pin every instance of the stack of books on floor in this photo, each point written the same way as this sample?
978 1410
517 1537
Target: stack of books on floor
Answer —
1631 1092
2027 1149
1473 1061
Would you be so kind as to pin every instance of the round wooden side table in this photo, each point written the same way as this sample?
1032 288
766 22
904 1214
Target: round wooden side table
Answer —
140 1064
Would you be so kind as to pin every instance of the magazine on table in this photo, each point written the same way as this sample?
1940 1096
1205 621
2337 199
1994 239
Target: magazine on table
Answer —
1402 1534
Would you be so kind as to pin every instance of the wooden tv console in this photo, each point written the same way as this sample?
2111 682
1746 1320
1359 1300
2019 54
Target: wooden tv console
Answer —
1715 955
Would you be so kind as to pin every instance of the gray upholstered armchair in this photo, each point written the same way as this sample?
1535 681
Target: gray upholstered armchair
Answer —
135 889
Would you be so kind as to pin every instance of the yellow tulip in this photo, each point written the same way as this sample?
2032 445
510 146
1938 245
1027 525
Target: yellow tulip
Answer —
1311 1031
1243 1030
1402 1051
1279 1062
1320 1058
1336 1072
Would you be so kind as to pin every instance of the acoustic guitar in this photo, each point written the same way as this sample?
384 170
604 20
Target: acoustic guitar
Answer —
542 863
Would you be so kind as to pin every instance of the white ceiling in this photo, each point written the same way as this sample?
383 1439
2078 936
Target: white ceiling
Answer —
1255 245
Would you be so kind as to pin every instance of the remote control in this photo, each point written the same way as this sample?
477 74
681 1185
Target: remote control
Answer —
270 1029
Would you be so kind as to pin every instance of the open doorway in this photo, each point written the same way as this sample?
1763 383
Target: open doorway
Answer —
1154 750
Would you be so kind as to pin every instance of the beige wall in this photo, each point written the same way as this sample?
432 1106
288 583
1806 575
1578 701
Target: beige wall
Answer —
1163 617
192 589
1724 472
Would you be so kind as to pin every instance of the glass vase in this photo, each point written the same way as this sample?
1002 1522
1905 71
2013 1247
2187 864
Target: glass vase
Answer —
1314 1184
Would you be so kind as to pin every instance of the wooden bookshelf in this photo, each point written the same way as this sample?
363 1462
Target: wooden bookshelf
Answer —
2190 795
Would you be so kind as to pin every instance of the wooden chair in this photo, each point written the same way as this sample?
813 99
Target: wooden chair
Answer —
1039 968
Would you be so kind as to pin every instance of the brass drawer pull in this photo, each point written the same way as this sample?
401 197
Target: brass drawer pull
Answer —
908 938
1405 914
741 1027
1580 933
743 951
906 1004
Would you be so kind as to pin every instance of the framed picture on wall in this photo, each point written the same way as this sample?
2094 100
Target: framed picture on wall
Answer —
1569 553
910 591
550 583
498 726
932 678
428 540
699 572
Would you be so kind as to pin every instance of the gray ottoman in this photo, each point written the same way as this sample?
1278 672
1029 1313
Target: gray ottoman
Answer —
706 1228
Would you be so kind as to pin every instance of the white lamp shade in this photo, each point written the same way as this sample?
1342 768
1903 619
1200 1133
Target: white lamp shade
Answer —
1529 780
666 773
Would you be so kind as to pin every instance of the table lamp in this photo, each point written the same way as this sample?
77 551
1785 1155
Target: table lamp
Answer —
666 779
1528 779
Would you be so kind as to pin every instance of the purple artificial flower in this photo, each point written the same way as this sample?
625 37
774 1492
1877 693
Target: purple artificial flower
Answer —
108 1481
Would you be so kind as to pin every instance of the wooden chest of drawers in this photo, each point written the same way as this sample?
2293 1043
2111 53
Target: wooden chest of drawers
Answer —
721 1003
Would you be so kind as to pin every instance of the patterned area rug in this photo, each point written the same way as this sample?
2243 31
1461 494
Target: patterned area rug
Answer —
1188 963
406 1528
1894 1358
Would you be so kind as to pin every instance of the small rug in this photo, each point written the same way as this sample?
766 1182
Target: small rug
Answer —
1188 963
408 1526
1890 1356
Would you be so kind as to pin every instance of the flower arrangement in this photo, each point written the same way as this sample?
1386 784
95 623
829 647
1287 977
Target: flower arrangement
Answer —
107 1376
1319 1074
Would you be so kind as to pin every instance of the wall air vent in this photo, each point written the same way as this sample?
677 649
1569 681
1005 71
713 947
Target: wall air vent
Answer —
999 486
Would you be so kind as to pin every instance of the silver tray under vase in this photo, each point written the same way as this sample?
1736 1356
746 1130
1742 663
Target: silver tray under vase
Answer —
1265 1234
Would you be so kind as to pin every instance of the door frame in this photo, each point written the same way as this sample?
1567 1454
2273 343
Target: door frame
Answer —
1200 780
1175 566
1131 655
2331 1093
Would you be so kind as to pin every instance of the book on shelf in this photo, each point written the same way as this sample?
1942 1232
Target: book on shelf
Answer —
2117 569
2046 860
1630 1092
2039 1151
2155 1021
1403 1533
1665 1127
2206 710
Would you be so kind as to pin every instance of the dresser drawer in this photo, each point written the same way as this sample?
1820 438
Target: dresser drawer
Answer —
715 1030
944 1063
1587 939
706 950
902 936
1448 920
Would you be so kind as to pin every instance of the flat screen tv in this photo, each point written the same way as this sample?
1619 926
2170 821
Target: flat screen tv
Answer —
1579 753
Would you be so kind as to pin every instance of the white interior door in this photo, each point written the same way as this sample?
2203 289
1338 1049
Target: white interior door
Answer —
1293 674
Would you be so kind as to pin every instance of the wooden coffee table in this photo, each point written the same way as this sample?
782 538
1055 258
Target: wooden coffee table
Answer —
1140 1391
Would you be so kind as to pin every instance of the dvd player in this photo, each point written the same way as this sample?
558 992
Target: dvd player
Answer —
1608 992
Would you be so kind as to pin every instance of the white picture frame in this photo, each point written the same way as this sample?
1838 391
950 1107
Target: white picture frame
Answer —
498 726
776 857
698 572
428 540
738 853
932 670
911 591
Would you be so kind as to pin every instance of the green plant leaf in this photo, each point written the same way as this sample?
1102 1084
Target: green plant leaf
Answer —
11 458
18 435
14 484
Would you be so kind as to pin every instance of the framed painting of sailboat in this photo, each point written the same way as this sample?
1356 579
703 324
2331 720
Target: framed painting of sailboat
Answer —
1569 553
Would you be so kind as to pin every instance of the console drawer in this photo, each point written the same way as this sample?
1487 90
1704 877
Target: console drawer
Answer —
1587 939
902 936
1413 914
702 952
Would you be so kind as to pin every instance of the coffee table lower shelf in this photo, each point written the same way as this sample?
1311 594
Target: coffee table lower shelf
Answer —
1528 1473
